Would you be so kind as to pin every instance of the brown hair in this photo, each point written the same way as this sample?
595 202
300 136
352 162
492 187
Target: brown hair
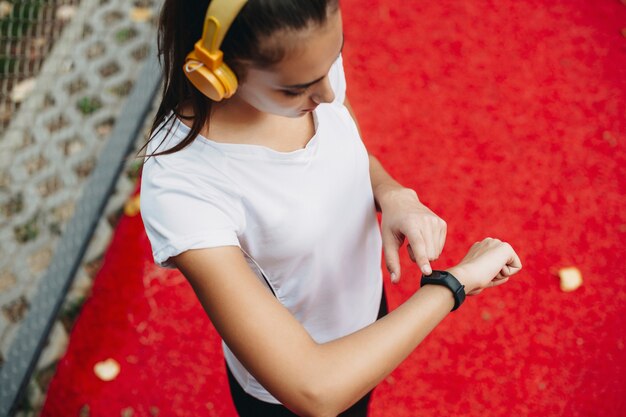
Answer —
180 26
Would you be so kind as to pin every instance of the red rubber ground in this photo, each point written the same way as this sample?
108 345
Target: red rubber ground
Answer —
509 119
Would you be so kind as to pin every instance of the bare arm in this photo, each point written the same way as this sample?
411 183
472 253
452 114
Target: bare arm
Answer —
404 216
319 379
309 378
323 379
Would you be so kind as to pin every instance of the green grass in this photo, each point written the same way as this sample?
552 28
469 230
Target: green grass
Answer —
88 105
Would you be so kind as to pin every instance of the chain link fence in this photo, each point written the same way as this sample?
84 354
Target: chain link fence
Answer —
28 30
77 80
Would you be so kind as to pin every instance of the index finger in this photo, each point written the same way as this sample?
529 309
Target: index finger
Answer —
418 245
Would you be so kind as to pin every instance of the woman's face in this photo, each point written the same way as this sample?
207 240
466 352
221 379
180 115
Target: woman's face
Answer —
299 82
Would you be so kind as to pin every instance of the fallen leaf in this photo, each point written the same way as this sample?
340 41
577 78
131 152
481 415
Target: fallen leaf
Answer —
107 370
132 206
22 90
6 9
140 14
66 12
571 278
39 42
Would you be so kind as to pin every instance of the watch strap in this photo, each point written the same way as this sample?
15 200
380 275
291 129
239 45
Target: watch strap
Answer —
449 281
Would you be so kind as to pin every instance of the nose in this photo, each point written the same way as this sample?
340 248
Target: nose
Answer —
323 92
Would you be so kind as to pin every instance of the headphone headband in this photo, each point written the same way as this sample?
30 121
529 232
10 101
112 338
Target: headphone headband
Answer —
219 17
204 66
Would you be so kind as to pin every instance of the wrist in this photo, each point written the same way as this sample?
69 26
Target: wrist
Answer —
461 275
437 293
388 192
450 282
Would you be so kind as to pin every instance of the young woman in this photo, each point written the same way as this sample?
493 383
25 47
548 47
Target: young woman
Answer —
265 197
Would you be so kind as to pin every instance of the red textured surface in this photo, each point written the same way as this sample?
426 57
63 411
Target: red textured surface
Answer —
509 119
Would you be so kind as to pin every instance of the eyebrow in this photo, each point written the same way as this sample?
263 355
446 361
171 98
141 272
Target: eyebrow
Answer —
307 85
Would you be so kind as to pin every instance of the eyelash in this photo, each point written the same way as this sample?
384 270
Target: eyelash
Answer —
294 93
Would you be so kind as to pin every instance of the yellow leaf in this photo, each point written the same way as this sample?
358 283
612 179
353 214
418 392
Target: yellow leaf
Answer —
23 89
66 12
140 14
107 370
571 278
6 9
132 206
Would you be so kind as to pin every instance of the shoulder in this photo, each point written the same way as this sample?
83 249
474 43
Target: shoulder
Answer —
199 169
188 200
199 158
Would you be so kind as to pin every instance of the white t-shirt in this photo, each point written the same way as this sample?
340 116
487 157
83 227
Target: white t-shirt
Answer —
306 219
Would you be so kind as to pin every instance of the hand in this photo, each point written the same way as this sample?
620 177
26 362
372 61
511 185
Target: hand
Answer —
404 216
487 264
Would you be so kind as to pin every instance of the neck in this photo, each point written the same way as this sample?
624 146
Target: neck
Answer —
235 108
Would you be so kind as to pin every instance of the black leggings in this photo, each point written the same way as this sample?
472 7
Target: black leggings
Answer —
249 406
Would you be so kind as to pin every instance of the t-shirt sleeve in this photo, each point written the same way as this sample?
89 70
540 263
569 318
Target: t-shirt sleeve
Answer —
337 79
183 209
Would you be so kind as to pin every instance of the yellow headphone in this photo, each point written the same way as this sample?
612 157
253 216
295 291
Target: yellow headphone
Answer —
204 66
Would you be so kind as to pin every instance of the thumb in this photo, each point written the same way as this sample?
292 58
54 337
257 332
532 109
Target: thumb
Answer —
391 247
504 272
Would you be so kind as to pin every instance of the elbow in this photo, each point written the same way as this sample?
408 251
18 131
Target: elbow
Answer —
315 400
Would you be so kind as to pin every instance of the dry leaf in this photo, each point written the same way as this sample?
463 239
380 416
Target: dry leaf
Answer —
132 206
22 90
39 42
66 12
571 278
6 9
107 370
140 14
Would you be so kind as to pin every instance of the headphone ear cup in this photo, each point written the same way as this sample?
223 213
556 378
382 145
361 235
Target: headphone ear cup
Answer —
216 85
203 79
228 79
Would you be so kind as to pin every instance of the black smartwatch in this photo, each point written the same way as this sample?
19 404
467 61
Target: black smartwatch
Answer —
447 280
